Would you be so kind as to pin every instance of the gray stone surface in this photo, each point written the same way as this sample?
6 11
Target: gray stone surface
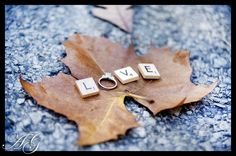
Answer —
33 48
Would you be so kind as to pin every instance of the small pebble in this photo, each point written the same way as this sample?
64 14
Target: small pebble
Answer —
35 117
20 101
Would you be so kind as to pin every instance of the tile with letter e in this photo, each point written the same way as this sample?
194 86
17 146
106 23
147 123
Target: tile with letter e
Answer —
148 71
126 75
87 87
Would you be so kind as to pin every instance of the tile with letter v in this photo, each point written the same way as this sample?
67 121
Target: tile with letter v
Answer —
126 75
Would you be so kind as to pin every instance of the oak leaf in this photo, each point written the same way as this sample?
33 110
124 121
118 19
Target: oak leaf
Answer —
104 117
119 15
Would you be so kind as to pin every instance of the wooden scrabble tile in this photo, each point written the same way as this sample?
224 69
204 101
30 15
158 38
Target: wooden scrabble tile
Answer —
148 71
126 75
87 87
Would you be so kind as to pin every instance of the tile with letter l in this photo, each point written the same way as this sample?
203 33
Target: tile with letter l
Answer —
87 87
126 75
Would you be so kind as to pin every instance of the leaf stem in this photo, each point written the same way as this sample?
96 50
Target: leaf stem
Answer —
141 97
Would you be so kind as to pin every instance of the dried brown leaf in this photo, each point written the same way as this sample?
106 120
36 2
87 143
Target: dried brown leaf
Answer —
104 117
119 15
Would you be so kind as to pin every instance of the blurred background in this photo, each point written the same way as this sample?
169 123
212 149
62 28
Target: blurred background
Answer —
33 47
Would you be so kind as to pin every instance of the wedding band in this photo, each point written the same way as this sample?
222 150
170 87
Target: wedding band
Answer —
109 77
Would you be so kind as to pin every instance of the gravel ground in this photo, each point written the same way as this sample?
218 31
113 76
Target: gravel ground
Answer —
33 48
